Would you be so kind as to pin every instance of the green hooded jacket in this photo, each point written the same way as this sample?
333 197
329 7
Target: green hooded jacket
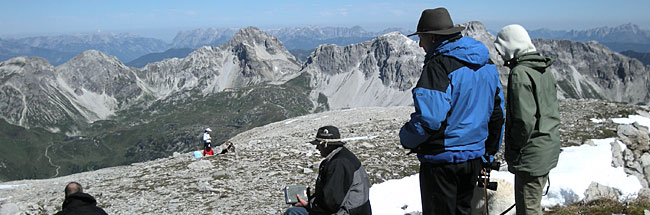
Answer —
532 139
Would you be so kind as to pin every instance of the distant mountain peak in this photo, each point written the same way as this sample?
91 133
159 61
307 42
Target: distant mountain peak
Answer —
93 56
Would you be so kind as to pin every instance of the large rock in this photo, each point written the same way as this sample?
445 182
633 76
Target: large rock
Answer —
498 201
635 157
598 191
635 137
617 155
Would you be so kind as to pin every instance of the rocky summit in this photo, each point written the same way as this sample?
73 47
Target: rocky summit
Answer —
267 158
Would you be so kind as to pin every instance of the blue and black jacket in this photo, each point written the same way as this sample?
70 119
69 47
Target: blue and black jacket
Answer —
459 105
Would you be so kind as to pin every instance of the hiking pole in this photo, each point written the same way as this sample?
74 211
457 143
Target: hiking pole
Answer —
510 208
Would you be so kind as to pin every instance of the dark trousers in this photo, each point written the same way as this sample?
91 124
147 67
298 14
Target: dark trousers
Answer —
448 188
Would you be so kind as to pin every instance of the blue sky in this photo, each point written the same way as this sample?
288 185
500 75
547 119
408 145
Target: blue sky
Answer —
163 19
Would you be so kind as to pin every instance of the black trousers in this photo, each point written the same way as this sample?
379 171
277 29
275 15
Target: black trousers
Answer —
448 188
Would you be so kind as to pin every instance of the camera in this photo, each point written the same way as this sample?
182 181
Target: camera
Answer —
484 180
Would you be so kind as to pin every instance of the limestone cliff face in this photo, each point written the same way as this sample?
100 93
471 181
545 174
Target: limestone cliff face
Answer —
591 70
379 72
30 96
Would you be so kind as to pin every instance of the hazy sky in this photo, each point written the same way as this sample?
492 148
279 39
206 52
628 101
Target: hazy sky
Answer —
163 19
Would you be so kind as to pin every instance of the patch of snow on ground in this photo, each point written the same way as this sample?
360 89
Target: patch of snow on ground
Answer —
391 196
9 186
633 118
577 167
289 121
594 120
581 165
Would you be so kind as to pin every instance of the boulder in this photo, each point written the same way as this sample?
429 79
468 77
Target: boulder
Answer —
617 155
634 136
598 191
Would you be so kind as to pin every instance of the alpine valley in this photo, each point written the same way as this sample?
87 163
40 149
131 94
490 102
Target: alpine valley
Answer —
93 111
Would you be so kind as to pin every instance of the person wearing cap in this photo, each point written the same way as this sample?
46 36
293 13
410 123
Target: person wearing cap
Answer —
207 142
342 186
459 114
532 138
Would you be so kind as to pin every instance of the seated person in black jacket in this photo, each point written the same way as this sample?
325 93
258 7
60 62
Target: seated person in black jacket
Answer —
342 186
78 202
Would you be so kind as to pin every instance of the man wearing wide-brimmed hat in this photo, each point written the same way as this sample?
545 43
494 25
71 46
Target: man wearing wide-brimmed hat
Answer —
342 186
458 119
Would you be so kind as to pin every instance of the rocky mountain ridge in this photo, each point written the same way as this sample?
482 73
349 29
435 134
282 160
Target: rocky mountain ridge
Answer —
304 38
93 85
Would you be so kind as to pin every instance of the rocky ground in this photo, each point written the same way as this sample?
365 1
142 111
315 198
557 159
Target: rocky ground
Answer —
250 181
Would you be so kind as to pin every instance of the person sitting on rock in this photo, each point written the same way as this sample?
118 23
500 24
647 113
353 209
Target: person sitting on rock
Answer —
207 142
78 202
342 186
228 148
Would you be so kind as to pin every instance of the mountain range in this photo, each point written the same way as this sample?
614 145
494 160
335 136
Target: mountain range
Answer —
93 111
619 38
59 49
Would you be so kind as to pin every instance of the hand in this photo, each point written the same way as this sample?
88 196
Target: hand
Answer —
301 202
485 171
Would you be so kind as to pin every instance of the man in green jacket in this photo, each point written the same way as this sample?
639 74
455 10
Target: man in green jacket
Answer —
532 140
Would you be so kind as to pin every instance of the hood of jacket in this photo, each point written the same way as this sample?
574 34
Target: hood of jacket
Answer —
533 60
465 49
78 199
513 41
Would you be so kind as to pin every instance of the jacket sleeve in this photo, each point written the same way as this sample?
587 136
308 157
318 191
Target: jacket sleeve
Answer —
495 125
431 108
522 104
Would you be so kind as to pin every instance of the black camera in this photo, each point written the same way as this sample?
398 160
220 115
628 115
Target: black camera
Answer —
484 179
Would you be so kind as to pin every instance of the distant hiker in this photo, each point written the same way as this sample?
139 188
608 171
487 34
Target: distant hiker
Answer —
207 142
458 119
229 147
78 202
532 117
342 186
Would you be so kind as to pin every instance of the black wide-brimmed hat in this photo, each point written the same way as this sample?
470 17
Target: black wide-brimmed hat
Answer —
328 134
436 21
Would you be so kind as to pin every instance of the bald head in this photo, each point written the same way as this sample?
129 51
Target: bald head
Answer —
73 187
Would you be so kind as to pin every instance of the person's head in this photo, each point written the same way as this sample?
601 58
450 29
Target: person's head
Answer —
208 130
73 187
433 24
327 139
513 41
